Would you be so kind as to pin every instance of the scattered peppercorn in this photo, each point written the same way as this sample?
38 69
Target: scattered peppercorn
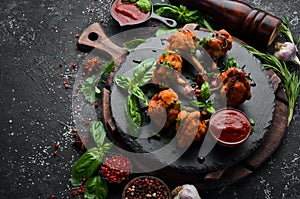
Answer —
116 168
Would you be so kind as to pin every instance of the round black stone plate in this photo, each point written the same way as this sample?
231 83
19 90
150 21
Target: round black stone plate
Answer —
260 108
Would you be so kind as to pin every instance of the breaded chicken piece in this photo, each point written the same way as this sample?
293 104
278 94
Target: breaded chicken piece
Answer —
218 45
190 126
163 102
168 69
186 43
236 87
171 58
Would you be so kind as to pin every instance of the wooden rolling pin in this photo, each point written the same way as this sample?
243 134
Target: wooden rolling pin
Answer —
252 25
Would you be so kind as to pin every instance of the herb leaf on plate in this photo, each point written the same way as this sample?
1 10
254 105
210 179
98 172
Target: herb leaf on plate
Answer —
142 73
132 44
107 68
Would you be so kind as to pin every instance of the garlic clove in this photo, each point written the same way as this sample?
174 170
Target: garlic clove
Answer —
188 192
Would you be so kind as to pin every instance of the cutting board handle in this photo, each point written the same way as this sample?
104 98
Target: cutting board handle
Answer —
95 37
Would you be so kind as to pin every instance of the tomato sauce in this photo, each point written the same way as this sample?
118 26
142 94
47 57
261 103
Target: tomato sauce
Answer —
128 13
230 125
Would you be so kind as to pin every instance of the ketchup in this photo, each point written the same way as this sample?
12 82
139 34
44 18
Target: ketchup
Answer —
128 13
230 125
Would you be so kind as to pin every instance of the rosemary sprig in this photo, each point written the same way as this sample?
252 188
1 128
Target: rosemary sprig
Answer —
285 29
290 81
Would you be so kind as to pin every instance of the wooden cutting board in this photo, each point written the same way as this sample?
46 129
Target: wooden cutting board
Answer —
218 177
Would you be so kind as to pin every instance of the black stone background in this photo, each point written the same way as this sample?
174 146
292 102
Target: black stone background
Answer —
37 35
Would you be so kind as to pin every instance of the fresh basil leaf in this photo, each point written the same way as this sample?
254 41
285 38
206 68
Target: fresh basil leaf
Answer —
144 5
139 94
205 92
131 45
142 73
106 147
89 88
198 104
107 68
98 132
133 116
87 164
96 188
123 82
165 30
231 63
211 110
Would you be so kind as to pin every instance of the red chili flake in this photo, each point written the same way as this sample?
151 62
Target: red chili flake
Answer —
65 81
73 64
52 196
54 153
96 104
67 86
60 64
71 33
77 35
83 180
87 122
56 145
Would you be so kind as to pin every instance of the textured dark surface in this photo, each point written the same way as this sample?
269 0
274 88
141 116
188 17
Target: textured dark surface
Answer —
38 35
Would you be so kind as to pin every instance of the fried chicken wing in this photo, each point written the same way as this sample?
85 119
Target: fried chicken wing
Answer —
168 69
236 87
185 41
218 45
190 126
163 102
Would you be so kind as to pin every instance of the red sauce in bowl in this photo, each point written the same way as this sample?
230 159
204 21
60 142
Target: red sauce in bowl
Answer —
230 127
128 13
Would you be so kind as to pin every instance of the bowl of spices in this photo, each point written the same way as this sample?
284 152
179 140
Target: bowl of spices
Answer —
230 127
146 187
116 168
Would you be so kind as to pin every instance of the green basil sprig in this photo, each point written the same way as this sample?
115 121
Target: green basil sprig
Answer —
142 74
89 163
204 101
183 15
89 87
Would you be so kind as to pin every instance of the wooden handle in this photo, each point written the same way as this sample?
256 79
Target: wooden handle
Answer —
94 37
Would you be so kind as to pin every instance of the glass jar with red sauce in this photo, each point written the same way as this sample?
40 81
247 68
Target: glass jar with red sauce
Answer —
230 127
